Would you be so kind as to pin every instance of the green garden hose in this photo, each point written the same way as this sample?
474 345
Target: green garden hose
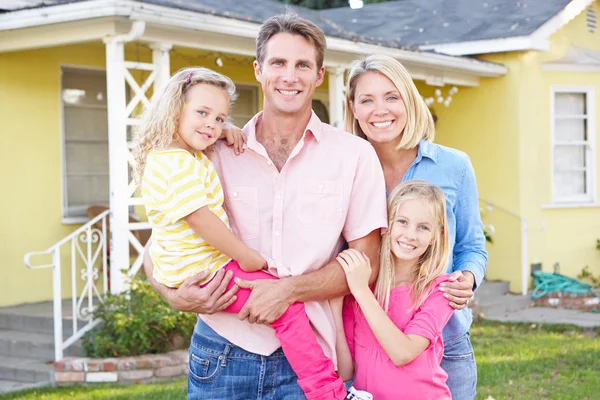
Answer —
545 282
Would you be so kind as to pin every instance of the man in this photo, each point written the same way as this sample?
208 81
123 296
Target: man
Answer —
299 190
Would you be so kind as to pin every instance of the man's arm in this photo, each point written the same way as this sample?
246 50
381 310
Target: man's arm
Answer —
190 296
270 298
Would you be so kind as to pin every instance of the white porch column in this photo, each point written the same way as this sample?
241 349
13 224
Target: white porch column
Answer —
336 96
162 63
117 155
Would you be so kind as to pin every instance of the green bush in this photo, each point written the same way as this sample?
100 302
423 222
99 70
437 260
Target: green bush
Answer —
137 322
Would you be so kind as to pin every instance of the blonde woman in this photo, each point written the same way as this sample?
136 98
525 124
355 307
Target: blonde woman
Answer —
184 198
384 107
398 329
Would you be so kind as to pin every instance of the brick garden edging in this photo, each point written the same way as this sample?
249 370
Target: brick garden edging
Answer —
139 369
581 302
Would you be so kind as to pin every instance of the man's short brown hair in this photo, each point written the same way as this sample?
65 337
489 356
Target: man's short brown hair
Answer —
290 22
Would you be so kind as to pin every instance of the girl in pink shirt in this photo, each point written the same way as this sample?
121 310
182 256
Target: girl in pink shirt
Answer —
391 340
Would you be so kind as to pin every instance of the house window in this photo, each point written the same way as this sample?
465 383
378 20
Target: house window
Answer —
85 147
573 157
246 105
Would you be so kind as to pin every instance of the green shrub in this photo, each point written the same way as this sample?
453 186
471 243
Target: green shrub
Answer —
137 322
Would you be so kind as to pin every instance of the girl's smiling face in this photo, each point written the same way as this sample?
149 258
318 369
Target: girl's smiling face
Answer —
412 231
378 107
202 117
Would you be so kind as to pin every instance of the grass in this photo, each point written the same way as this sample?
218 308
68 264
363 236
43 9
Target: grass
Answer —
515 361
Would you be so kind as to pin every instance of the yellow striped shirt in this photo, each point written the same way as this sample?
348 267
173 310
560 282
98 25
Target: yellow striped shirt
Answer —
175 184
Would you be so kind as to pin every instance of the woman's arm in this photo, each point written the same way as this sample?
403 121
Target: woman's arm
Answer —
344 355
213 230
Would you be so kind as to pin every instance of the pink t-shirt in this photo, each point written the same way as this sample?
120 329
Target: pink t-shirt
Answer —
330 189
422 378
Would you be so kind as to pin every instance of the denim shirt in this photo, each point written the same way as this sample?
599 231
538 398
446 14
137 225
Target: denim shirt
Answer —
452 171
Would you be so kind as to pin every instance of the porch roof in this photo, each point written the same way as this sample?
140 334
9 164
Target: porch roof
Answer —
217 25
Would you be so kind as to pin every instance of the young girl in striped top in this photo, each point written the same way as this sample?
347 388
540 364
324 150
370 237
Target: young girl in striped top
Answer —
190 229
391 339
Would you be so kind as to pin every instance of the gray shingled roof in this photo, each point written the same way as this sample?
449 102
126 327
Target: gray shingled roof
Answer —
409 23
404 23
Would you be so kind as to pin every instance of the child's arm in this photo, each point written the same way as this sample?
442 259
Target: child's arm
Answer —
344 356
210 227
400 347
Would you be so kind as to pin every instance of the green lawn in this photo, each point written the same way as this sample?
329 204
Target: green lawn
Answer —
515 361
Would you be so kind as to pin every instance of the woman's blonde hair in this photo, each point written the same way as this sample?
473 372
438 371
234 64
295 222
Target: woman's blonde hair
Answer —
161 120
419 122
433 262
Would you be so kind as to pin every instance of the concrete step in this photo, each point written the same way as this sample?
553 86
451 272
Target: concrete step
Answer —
23 369
491 290
15 343
37 317
504 305
7 386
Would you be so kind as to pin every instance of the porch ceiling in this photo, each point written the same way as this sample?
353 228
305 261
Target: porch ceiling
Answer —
73 23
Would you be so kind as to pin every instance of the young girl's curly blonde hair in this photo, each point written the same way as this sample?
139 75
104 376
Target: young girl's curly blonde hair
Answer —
161 120
433 262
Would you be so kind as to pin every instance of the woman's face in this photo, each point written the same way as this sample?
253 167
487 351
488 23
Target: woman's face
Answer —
378 107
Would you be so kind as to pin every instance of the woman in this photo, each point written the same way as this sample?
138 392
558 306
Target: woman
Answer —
384 107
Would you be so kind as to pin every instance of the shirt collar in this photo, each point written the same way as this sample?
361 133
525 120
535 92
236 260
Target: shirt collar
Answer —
427 149
314 127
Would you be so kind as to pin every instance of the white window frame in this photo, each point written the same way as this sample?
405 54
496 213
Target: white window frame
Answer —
590 146
63 140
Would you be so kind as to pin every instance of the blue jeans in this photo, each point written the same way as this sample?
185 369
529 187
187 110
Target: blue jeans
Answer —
220 370
459 364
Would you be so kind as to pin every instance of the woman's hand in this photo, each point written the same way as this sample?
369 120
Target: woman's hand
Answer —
357 268
458 289
235 137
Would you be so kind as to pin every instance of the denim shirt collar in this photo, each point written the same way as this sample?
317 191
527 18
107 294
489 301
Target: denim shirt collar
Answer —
426 149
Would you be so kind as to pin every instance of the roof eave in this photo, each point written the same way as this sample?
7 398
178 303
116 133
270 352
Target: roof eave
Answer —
537 40
182 19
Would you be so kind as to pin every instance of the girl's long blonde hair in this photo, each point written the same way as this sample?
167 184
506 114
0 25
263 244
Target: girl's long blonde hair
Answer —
435 259
419 122
161 120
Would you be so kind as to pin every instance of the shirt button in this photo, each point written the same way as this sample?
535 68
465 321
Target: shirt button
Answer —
278 197
320 187
276 233
269 162
234 194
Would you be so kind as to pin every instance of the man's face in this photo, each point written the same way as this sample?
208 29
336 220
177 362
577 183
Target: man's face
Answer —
289 74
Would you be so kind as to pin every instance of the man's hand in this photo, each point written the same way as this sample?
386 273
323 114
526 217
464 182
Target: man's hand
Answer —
235 137
459 289
203 300
267 302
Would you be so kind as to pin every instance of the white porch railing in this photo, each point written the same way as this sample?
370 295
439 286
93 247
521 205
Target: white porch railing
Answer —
88 245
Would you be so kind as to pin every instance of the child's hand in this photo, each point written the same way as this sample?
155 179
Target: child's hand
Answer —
252 261
357 267
234 137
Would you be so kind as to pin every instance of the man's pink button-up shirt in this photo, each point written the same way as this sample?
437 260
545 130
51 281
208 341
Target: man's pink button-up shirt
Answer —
331 189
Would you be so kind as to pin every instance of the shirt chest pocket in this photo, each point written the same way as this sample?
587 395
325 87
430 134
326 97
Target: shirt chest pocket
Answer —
242 206
319 202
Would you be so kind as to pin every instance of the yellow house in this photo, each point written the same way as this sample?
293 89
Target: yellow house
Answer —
512 85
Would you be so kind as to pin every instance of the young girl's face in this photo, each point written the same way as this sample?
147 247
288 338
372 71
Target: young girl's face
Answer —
202 116
412 231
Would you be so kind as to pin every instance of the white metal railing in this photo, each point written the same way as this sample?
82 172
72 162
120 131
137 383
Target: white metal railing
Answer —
87 245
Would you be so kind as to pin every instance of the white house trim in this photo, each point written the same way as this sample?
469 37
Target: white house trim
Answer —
538 40
590 149
576 59
336 97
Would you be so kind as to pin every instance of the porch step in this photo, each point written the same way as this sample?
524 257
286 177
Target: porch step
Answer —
490 290
37 317
15 386
21 369
16 343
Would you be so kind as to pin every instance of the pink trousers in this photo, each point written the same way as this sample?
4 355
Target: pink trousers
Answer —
316 373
